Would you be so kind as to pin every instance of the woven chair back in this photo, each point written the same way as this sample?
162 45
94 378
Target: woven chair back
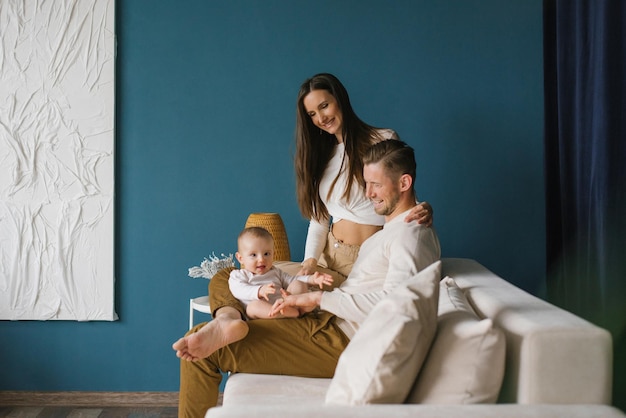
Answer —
275 226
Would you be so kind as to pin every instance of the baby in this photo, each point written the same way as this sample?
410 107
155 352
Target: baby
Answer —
258 283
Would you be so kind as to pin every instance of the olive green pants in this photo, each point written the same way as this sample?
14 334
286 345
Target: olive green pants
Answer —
308 346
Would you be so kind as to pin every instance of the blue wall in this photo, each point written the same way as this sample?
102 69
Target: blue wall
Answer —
206 109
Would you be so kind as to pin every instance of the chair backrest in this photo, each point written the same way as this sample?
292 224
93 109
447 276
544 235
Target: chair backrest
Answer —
275 226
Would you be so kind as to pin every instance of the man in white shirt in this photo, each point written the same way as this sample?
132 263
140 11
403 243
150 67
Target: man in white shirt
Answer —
311 345
388 257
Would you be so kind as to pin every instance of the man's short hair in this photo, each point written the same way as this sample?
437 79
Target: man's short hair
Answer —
396 157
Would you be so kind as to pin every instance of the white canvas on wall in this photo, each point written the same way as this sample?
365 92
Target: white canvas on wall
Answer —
57 66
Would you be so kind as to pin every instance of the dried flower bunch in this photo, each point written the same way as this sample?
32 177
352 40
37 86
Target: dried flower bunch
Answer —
211 265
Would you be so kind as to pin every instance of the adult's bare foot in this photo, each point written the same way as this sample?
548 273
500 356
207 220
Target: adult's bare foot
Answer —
218 333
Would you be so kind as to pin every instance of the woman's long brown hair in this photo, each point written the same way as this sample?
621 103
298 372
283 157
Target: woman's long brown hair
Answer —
314 147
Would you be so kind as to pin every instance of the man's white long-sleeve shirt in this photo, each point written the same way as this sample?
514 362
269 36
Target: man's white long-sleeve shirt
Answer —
386 259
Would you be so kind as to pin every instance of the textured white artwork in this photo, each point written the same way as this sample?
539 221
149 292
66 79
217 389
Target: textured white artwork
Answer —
57 67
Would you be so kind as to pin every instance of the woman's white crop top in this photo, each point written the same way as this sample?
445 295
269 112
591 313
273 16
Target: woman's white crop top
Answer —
357 208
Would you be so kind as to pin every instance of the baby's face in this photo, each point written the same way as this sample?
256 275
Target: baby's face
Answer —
256 254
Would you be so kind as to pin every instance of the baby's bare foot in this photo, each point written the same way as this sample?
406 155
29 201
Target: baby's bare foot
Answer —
214 335
290 312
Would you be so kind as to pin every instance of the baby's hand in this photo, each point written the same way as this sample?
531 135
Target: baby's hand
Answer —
322 279
266 290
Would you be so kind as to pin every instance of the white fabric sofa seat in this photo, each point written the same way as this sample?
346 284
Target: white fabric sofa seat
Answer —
416 411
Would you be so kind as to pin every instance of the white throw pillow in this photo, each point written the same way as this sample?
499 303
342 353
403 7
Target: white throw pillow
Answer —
466 361
383 359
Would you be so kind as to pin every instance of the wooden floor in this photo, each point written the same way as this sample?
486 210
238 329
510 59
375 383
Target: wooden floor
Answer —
86 412
88 404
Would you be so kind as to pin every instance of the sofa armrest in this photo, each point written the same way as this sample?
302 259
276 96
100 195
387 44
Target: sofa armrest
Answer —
553 356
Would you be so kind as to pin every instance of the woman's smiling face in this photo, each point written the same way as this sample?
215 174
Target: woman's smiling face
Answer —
324 111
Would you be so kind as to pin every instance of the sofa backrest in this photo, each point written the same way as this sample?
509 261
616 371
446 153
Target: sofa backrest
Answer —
552 355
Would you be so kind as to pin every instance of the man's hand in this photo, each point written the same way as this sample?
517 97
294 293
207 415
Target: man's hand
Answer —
422 213
266 290
305 302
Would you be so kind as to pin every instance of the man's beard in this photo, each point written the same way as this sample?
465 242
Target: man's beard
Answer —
390 206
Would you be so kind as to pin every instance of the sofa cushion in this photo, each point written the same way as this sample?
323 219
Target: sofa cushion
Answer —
466 361
260 389
385 355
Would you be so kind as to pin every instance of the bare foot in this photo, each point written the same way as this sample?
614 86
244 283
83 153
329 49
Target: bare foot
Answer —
259 309
216 334
289 312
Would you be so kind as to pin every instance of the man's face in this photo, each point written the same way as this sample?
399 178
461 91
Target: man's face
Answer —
381 190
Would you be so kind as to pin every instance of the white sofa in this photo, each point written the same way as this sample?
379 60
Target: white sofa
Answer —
556 365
